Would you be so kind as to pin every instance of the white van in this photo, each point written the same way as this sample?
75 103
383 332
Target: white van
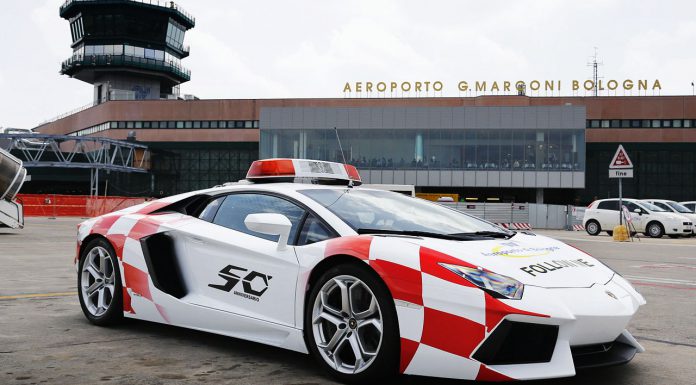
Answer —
603 215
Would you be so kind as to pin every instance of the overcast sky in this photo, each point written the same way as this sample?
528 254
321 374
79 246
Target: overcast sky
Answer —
264 49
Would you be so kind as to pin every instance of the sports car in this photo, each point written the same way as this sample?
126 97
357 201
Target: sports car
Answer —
371 283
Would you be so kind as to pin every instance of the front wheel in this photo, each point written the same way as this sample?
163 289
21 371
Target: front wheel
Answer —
350 325
655 230
99 283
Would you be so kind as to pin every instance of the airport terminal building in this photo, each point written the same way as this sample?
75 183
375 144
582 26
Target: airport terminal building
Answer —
505 148
526 149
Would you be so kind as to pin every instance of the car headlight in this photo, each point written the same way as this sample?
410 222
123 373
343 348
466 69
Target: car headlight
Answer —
499 286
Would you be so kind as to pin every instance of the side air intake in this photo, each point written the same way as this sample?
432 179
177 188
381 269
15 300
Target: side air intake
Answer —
163 265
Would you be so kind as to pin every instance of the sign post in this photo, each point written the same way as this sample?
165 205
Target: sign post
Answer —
621 167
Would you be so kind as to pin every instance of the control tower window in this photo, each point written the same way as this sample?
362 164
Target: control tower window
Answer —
77 29
175 34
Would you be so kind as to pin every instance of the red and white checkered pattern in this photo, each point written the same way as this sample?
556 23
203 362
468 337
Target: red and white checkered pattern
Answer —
443 318
123 230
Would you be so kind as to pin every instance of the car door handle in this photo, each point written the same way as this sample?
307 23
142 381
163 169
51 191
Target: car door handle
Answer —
196 240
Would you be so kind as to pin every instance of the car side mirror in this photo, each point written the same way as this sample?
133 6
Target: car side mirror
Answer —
271 224
639 211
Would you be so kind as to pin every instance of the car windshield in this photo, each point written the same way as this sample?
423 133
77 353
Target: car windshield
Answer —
651 207
388 212
679 208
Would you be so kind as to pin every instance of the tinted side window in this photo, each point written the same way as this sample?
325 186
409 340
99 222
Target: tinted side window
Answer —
235 208
632 206
313 231
691 206
211 209
663 206
609 205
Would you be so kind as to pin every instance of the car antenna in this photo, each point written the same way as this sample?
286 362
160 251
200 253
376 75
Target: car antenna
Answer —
343 155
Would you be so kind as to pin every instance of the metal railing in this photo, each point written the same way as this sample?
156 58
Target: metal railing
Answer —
124 60
156 3
68 113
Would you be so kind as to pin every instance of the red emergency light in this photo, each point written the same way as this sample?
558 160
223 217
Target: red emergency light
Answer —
302 169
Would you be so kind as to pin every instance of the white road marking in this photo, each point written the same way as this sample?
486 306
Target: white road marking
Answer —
660 280
693 258
664 266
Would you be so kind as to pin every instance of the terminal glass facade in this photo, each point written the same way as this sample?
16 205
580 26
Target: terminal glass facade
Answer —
468 149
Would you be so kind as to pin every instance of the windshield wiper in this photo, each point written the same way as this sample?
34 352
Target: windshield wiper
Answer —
415 233
491 234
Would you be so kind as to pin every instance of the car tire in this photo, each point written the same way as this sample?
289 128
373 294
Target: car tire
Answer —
592 227
325 324
99 283
655 230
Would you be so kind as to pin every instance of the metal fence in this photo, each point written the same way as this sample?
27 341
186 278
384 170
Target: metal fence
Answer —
521 215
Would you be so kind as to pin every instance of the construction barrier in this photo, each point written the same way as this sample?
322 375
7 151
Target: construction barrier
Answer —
54 205
524 216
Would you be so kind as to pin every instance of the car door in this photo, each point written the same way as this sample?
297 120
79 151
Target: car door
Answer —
228 267
638 219
607 214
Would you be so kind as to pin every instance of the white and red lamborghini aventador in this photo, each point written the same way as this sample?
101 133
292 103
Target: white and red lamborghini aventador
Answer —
371 283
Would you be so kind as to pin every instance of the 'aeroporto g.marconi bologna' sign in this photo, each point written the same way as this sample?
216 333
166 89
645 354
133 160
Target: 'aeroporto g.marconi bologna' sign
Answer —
484 86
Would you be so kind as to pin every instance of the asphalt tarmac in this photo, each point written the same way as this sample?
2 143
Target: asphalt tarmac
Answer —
44 338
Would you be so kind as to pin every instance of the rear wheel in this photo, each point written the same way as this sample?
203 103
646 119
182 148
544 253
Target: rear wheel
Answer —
99 283
350 325
592 227
655 230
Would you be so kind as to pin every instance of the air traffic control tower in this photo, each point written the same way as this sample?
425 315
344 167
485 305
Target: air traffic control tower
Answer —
128 49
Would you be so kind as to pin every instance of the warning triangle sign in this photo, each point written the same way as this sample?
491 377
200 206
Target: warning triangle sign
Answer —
621 159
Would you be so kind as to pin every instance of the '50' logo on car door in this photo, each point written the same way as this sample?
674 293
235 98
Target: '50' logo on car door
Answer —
254 283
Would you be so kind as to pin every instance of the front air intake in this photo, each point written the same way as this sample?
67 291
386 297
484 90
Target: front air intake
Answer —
518 343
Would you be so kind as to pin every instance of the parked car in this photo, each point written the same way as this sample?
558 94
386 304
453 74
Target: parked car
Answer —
691 205
602 215
674 207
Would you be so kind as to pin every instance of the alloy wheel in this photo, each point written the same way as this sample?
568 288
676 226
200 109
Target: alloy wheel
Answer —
97 281
347 324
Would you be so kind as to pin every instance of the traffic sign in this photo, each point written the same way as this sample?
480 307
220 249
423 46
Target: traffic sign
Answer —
621 173
621 159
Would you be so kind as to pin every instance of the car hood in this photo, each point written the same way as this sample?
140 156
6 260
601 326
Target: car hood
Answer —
669 215
531 259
